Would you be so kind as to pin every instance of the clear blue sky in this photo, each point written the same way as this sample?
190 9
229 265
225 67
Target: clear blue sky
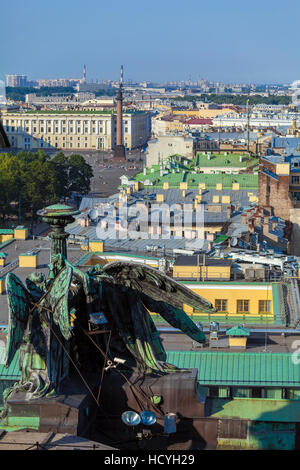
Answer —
158 40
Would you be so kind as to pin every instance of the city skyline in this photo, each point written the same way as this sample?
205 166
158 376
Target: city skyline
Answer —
161 42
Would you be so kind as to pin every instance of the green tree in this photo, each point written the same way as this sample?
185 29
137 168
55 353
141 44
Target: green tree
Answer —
39 186
73 174
10 183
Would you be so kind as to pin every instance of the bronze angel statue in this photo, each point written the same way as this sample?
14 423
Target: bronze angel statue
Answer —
54 322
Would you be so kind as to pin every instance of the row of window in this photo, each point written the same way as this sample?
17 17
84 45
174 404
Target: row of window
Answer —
78 123
56 130
251 392
243 306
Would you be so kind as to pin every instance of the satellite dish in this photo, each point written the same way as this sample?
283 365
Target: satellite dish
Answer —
148 418
131 418
233 241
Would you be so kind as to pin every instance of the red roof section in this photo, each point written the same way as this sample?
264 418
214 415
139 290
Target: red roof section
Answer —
199 122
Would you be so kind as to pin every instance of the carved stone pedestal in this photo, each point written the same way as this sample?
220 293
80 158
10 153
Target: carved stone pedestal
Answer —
119 154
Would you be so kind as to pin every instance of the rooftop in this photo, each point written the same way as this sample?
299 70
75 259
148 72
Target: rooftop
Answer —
239 368
194 260
73 111
229 160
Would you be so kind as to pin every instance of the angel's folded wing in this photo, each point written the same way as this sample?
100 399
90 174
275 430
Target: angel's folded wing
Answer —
19 303
156 285
57 299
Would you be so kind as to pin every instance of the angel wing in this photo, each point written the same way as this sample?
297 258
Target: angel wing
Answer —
155 284
57 299
161 294
19 303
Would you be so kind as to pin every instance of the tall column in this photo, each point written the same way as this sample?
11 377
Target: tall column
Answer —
119 149
120 117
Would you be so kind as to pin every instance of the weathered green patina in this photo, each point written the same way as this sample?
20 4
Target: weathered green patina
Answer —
58 216
50 318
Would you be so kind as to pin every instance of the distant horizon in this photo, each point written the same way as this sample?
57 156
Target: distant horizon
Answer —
125 80
158 42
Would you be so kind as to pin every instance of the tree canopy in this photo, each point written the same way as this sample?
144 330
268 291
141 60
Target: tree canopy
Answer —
35 180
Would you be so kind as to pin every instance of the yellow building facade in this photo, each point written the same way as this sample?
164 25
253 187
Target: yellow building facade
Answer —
6 235
28 260
20 233
73 129
235 299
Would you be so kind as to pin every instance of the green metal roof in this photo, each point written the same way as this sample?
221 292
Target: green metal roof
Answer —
246 181
222 160
28 254
243 369
220 238
238 331
6 231
3 255
12 372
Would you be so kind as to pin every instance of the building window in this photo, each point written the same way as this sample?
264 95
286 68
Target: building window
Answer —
264 306
42 129
257 392
221 305
71 129
295 179
213 391
242 306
